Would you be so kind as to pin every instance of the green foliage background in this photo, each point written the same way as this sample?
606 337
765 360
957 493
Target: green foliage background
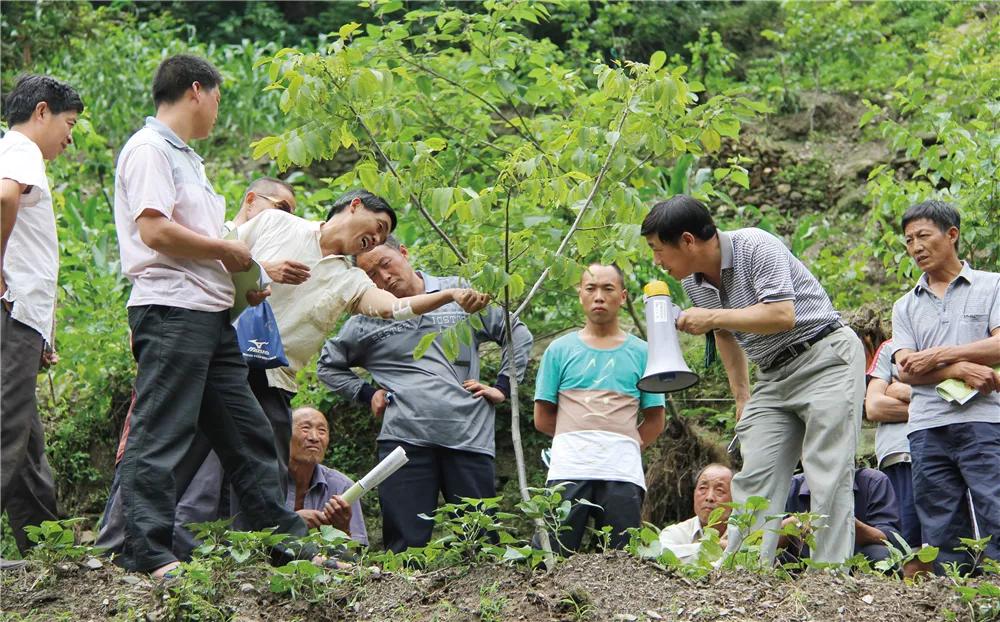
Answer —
498 118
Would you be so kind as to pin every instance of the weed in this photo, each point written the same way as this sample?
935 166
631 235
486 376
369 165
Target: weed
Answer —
55 542
577 604
491 606
301 579
193 595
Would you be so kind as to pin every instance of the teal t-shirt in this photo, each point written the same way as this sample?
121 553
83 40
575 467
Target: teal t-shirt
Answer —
597 406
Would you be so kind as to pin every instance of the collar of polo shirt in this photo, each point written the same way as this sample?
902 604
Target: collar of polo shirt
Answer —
726 251
924 286
168 134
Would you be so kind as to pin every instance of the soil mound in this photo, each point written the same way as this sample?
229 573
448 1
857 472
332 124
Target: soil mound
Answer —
611 586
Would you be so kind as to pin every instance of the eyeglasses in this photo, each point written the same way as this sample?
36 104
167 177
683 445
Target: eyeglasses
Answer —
281 204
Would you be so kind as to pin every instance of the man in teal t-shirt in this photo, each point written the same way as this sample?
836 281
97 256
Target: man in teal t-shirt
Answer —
586 399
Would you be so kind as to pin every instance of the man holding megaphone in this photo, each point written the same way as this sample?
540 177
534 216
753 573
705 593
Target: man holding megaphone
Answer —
764 305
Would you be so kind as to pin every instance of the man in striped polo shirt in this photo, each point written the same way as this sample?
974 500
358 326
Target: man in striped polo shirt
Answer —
765 306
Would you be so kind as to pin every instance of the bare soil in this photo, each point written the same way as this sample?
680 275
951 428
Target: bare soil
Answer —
612 586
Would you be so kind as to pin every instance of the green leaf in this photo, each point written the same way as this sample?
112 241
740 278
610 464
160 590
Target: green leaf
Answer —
441 200
449 343
657 60
346 30
368 174
928 554
740 177
422 346
436 143
264 146
727 127
711 139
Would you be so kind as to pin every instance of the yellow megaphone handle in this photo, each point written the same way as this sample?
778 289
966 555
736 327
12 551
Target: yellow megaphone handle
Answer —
656 288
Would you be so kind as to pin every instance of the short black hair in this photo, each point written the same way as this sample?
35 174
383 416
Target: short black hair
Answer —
32 89
617 269
943 215
266 181
370 201
671 218
176 74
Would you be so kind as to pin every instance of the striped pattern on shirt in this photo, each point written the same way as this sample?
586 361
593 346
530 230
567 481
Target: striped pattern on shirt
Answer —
757 267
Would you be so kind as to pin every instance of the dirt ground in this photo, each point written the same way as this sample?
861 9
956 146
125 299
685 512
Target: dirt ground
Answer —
613 586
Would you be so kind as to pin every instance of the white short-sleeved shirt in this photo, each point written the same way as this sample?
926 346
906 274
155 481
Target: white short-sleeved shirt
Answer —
683 539
31 261
157 170
307 313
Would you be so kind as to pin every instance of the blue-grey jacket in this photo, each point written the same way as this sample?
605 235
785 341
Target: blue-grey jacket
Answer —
430 407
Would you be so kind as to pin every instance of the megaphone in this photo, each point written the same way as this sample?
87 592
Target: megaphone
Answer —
666 370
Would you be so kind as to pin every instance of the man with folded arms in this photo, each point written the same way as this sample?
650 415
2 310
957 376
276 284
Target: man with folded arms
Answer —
948 327
765 306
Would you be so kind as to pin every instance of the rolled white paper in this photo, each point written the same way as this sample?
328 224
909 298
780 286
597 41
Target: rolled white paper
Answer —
376 476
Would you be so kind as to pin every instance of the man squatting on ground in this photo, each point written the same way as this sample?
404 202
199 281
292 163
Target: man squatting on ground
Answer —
711 491
316 488
586 399
440 412
948 326
41 112
763 304
876 516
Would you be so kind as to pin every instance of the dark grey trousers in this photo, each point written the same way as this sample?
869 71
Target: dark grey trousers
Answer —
191 377
28 493
414 489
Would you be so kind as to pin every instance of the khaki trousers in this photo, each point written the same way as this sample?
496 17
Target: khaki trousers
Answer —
808 410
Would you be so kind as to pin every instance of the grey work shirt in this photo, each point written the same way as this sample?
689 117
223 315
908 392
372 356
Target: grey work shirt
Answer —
756 267
325 483
970 311
890 438
430 406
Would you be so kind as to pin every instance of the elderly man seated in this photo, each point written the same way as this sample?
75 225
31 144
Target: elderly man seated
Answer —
314 489
876 515
711 490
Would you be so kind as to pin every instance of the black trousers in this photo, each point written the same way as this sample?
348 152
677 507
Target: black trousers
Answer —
203 491
191 377
620 508
27 493
414 489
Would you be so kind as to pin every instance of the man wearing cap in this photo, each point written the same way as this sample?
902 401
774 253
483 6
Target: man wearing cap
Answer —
764 305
